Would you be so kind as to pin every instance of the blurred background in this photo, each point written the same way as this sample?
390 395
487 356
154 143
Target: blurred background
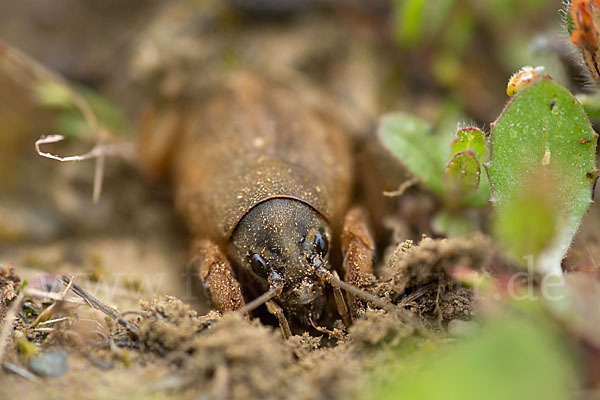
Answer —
446 61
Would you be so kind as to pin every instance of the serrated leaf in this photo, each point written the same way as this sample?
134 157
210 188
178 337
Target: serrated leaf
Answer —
462 174
543 133
473 139
470 138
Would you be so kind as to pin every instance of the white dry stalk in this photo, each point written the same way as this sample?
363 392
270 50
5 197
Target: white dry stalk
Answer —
402 188
95 152
99 152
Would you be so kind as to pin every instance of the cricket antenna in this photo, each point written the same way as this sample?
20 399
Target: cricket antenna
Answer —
275 289
328 277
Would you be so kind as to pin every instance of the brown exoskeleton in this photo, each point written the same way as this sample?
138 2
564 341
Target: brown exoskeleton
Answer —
261 174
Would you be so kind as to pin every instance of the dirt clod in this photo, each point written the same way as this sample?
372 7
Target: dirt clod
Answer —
417 276
169 323
239 359
416 265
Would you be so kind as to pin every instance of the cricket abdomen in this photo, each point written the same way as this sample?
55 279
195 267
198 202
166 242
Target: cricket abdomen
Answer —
250 140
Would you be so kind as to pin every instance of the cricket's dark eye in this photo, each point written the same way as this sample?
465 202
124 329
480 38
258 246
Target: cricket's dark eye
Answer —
321 244
259 265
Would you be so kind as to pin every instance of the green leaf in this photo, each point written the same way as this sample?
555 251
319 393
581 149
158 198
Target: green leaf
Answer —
470 138
480 197
71 121
528 225
409 18
54 95
543 139
453 224
411 140
473 139
512 358
462 174
110 115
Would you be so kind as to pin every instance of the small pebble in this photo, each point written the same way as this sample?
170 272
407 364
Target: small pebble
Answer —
52 363
101 363
458 327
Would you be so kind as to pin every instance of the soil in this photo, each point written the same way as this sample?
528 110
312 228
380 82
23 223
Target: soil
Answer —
182 353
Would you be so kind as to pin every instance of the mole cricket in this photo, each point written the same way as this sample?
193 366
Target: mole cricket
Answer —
264 181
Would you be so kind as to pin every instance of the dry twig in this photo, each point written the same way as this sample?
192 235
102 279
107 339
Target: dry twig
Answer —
98 305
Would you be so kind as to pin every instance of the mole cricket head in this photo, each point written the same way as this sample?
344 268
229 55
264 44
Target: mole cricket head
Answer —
285 240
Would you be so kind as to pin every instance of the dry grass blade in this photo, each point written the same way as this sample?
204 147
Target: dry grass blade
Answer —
53 321
23 373
98 305
54 307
